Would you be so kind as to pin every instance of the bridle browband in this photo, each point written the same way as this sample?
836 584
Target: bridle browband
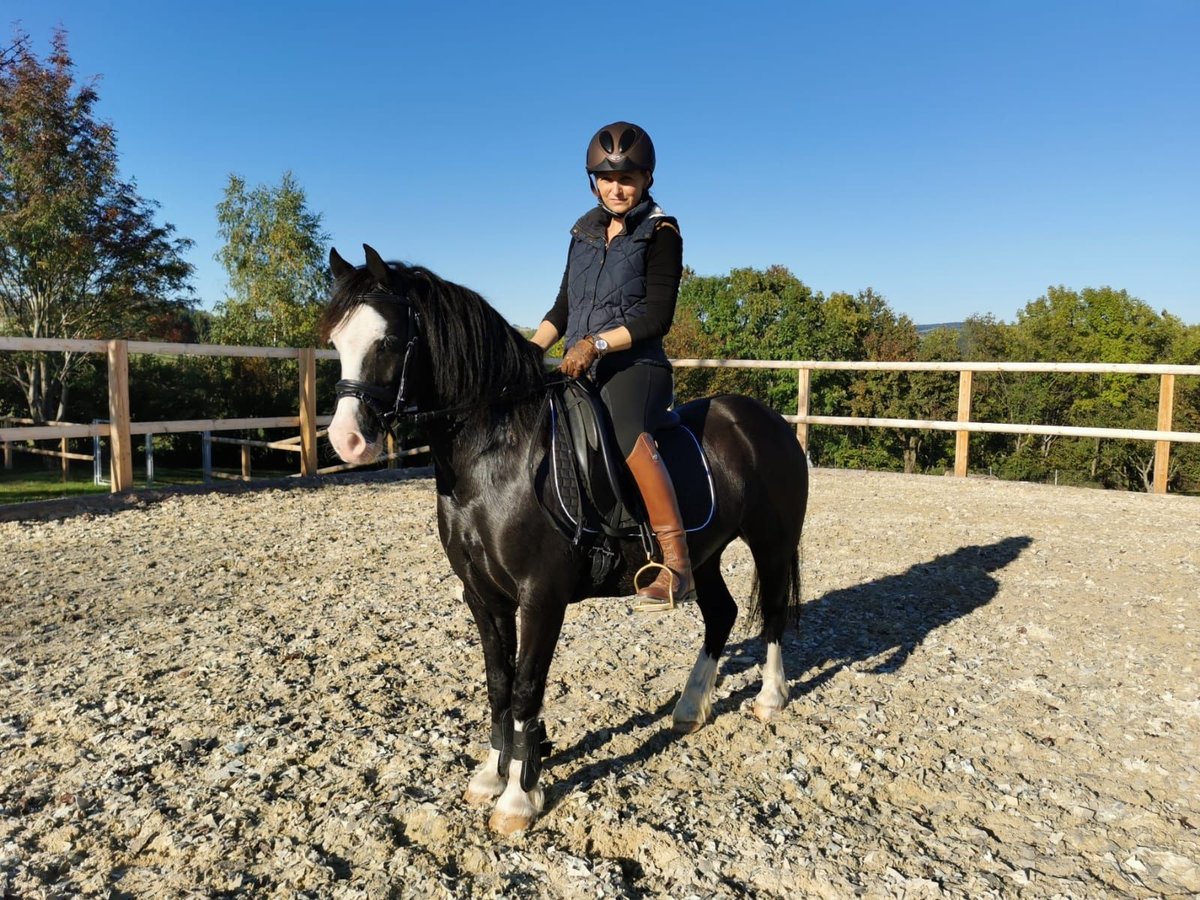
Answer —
394 411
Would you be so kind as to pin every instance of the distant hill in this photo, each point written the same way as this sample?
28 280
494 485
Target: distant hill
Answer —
925 329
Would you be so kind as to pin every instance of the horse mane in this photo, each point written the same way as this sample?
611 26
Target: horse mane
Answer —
472 351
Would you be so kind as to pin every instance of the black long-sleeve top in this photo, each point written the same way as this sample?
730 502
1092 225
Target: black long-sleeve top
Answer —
664 269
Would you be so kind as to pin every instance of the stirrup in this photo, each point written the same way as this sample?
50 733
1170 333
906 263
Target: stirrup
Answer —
648 605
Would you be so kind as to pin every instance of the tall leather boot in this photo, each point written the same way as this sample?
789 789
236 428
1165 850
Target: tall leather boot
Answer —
662 508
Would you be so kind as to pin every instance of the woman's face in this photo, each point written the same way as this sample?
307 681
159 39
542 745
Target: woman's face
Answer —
621 191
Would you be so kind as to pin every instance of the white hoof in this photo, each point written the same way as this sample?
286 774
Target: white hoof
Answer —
766 708
686 726
504 824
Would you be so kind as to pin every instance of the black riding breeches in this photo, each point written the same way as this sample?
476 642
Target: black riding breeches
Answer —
638 397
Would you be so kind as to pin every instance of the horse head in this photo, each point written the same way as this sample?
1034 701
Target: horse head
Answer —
375 328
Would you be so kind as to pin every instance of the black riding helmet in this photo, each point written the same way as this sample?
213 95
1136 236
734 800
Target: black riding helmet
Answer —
619 147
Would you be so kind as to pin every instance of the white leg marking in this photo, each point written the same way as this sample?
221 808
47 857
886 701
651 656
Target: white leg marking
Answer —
516 809
695 704
774 691
487 783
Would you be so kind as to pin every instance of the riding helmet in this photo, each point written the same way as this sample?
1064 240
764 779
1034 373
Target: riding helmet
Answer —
620 147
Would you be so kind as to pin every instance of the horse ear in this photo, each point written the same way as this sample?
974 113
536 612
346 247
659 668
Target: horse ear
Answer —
337 265
376 266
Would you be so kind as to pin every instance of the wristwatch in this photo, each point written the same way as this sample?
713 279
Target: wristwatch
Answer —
600 344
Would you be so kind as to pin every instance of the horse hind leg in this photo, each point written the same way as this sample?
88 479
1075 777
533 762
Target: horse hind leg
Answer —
778 592
694 706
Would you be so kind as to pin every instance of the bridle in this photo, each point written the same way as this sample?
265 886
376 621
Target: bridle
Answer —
396 410
389 409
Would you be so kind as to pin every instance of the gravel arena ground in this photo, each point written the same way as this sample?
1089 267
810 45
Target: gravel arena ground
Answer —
277 693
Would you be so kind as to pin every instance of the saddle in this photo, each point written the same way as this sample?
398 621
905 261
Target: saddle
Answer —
587 489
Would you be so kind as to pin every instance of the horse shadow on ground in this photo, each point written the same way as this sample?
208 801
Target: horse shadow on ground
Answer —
888 617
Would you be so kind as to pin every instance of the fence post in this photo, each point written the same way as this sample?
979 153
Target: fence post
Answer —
7 455
149 460
246 462
803 382
962 438
66 463
1162 449
121 466
206 455
97 458
308 411
391 451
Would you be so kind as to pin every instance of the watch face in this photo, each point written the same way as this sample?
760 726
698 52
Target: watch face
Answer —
602 345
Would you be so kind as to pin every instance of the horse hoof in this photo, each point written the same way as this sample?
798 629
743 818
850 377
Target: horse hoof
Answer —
507 823
475 797
764 713
680 727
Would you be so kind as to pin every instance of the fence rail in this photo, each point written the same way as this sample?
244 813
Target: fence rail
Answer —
120 428
1163 436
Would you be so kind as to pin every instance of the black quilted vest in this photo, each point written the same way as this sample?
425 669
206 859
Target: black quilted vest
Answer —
606 287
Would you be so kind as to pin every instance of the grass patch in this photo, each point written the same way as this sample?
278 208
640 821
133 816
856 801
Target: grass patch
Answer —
24 485
27 483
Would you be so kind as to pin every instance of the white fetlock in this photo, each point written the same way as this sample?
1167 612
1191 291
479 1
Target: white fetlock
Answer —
487 783
695 704
774 693
516 809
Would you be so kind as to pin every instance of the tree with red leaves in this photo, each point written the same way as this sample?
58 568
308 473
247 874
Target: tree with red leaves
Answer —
81 255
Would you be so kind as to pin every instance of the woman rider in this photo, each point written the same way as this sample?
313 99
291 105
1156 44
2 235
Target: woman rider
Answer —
616 301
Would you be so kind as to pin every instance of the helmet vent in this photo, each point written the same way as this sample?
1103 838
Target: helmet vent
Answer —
628 136
606 141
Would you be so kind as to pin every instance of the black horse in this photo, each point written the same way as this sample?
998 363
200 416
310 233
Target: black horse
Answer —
413 345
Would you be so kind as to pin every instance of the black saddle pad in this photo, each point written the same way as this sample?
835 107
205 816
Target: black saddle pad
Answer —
684 458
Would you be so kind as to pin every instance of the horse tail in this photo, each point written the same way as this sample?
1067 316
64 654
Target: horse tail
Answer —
783 603
793 589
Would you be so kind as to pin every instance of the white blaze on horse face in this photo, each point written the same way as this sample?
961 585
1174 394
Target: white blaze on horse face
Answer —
353 337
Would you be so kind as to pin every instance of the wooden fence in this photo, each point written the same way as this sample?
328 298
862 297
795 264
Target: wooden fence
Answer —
120 429
962 427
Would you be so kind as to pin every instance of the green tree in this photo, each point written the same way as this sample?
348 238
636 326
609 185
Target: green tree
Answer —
1092 325
747 314
864 327
274 254
81 255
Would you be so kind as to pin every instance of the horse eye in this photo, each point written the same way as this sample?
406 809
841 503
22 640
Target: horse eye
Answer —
390 343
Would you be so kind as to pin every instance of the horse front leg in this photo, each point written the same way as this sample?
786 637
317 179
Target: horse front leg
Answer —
523 798
498 634
694 707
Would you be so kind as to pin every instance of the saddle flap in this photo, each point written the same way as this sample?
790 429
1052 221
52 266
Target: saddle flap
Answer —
594 468
597 456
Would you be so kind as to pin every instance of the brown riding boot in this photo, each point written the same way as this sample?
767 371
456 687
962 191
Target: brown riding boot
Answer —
662 508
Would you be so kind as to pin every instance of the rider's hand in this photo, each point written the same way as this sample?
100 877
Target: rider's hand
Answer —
579 358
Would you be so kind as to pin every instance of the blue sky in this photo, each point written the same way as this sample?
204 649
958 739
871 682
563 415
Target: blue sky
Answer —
958 157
